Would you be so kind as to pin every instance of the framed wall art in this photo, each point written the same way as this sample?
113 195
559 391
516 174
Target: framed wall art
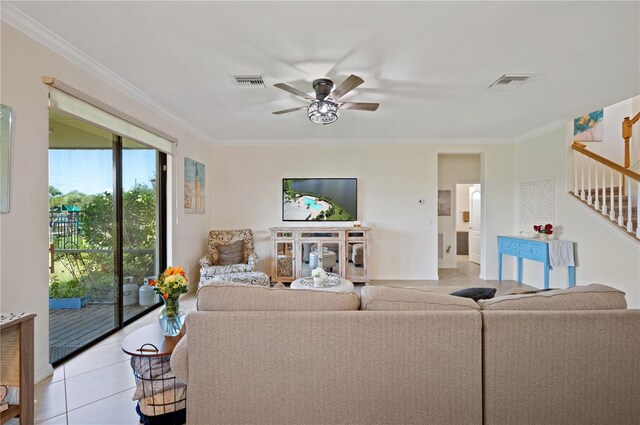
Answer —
537 202
590 127
5 157
194 183
444 203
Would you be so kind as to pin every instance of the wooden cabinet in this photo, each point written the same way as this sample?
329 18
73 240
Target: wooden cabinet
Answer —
17 364
296 251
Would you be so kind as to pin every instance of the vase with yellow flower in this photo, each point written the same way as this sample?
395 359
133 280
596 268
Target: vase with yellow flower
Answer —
170 285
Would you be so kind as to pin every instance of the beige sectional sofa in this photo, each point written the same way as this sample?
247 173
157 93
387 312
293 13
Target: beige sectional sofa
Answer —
257 355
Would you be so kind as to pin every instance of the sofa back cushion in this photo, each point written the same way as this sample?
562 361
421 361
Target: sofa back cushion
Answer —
591 297
388 298
334 367
224 297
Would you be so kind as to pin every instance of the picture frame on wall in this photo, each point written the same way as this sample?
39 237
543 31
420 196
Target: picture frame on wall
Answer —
444 203
589 127
537 202
5 156
194 186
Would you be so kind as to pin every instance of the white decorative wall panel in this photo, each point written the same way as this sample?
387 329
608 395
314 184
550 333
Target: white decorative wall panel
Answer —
537 202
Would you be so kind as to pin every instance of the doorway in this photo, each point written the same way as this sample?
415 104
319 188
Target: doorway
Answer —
460 219
468 224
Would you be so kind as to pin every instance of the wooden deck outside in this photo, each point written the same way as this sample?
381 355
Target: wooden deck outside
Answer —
70 329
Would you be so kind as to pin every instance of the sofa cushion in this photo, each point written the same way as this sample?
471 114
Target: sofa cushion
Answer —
475 293
388 298
229 254
591 297
224 297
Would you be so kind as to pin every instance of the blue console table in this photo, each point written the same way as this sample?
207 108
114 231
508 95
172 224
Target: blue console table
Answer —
531 249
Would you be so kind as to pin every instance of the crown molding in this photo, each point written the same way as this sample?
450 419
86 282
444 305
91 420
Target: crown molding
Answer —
33 29
370 141
540 130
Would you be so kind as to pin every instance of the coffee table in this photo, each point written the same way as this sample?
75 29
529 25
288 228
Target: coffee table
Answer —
344 286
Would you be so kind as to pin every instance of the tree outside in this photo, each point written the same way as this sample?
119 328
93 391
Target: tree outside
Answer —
82 228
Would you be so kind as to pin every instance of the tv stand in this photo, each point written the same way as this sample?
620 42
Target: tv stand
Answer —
296 251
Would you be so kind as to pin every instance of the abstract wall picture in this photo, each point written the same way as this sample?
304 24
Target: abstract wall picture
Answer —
193 186
537 202
444 202
589 128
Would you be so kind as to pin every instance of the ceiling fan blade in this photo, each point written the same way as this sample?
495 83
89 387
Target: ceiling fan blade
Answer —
346 86
286 111
359 106
287 88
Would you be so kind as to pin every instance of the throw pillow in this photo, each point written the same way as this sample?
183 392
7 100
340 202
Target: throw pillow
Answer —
476 293
229 254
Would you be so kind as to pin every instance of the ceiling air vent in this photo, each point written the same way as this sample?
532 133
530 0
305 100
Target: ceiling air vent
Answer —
509 81
249 81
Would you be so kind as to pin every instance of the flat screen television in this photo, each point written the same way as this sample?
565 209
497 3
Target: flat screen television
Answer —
321 199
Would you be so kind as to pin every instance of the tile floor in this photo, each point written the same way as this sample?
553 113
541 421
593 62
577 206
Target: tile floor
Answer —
96 386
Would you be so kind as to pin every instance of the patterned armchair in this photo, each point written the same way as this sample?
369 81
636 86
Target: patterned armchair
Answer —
209 264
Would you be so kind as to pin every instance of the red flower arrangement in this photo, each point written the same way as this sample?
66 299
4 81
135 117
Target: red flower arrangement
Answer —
547 228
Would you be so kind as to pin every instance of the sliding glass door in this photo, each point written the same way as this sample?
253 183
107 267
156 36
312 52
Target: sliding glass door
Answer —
106 231
140 218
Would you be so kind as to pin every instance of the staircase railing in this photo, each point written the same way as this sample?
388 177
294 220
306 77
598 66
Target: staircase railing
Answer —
627 132
596 180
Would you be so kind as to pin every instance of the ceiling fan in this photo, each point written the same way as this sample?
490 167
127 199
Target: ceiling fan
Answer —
325 106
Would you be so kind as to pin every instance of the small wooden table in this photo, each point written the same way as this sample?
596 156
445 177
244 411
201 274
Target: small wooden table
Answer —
150 343
19 328
140 342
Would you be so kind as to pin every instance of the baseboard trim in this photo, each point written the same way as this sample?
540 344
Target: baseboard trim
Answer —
404 277
43 373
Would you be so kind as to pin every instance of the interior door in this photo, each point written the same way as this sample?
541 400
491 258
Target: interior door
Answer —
475 218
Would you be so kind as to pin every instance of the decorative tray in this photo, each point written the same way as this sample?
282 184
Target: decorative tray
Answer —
331 280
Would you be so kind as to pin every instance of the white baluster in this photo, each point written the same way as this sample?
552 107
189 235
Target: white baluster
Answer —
596 204
629 205
612 212
604 190
620 217
575 173
589 197
582 177
638 212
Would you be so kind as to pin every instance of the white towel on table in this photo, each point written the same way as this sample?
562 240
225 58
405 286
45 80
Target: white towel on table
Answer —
561 253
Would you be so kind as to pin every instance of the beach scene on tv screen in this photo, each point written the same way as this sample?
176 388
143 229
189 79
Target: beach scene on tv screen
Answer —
319 199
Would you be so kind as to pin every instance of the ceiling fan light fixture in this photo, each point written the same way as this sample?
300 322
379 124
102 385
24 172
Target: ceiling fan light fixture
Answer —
323 111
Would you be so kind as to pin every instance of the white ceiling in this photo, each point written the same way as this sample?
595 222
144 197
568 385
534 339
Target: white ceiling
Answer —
428 64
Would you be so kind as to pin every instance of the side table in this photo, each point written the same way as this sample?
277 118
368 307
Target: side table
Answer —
161 398
16 359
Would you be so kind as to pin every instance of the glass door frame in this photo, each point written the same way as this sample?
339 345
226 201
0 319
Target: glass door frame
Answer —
161 178
118 248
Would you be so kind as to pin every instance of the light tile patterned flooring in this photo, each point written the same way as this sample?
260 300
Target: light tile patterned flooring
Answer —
96 386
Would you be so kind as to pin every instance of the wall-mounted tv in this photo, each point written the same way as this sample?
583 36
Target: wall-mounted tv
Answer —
321 199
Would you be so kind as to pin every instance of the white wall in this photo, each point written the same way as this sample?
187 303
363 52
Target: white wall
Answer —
392 177
603 255
452 169
24 234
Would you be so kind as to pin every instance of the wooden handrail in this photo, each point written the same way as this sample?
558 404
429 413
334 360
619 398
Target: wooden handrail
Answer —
627 132
579 147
